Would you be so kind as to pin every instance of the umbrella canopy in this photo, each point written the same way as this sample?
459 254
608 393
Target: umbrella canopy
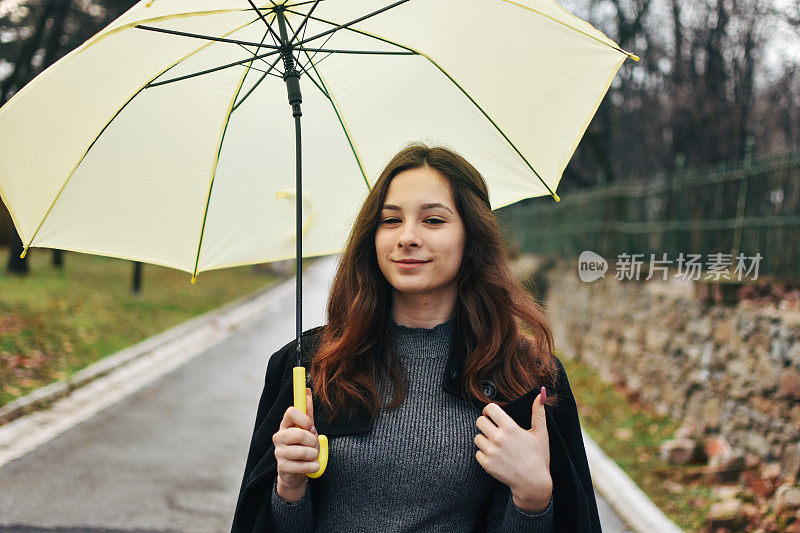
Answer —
166 137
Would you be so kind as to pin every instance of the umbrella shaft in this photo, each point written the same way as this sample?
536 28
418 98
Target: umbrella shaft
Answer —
299 233
290 74
292 79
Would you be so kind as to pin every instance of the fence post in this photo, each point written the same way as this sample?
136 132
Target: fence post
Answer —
680 211
743 181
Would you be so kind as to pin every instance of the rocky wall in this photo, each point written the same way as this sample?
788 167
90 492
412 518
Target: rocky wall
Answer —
725 365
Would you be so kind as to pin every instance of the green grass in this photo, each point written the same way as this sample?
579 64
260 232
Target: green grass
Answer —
631 436
53 322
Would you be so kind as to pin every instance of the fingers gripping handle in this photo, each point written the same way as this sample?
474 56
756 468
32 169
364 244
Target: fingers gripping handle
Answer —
300 403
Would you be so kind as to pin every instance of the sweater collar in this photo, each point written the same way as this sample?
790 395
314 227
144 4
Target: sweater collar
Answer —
446 325
422 343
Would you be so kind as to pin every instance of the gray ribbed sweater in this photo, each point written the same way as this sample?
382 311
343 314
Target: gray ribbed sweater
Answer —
416 470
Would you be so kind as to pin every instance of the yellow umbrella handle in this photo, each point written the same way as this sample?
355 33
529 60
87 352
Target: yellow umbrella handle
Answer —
300 402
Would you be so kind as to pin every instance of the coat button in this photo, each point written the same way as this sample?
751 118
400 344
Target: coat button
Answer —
454 378
489 388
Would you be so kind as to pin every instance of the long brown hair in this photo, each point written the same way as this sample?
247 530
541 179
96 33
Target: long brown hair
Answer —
491 309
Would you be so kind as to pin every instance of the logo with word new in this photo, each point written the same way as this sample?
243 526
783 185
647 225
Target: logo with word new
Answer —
591 266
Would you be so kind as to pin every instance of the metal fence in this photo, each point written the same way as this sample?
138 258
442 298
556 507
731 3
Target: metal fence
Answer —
733 210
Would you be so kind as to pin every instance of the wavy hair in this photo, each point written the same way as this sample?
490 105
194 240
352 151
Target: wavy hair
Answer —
492 309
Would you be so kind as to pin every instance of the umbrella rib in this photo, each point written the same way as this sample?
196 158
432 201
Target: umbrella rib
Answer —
300 3
303 23
206 37
614 45
216 163
323 43
115 115
308 15
310 77
348 24
346 130
360 32
365 52
327 92
303 68
485 114
253 88
251 52
214 69
100 36
261 15
276 74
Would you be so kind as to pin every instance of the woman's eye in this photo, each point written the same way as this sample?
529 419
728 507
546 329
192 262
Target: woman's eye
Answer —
434 221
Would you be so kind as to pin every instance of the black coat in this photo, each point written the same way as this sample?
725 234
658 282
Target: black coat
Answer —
574 506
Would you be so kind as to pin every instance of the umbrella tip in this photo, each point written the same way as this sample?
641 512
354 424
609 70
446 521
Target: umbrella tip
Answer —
556 197
23 254
194 278
633 56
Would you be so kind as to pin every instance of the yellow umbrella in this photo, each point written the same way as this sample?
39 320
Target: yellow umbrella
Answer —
165 137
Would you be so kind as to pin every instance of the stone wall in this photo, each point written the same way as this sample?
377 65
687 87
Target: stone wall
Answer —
726 366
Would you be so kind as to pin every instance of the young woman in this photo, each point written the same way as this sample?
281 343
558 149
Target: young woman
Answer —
434 379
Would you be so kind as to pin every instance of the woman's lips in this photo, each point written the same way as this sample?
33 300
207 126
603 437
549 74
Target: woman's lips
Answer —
411 265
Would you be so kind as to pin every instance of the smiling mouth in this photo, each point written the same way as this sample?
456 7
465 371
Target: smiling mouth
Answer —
410 265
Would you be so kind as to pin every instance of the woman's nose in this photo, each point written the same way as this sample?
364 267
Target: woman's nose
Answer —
408 237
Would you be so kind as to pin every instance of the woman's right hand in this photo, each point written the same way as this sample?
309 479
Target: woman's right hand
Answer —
297 450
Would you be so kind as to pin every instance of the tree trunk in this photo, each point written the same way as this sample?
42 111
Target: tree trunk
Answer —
52 47
137 278
15 264
58 259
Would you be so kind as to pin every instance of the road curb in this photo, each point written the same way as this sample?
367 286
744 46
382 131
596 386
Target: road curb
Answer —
228 315
623 495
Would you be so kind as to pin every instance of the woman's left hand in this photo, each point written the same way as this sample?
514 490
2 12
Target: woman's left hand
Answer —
518 457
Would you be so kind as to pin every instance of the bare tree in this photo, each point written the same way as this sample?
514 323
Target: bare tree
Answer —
695 96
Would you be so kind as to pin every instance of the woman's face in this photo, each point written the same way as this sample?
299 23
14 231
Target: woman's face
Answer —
419 222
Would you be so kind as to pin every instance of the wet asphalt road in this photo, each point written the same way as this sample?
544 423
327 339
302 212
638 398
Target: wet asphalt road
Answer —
171 456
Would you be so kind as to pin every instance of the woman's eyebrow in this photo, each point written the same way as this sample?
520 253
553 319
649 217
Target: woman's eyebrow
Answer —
431 205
